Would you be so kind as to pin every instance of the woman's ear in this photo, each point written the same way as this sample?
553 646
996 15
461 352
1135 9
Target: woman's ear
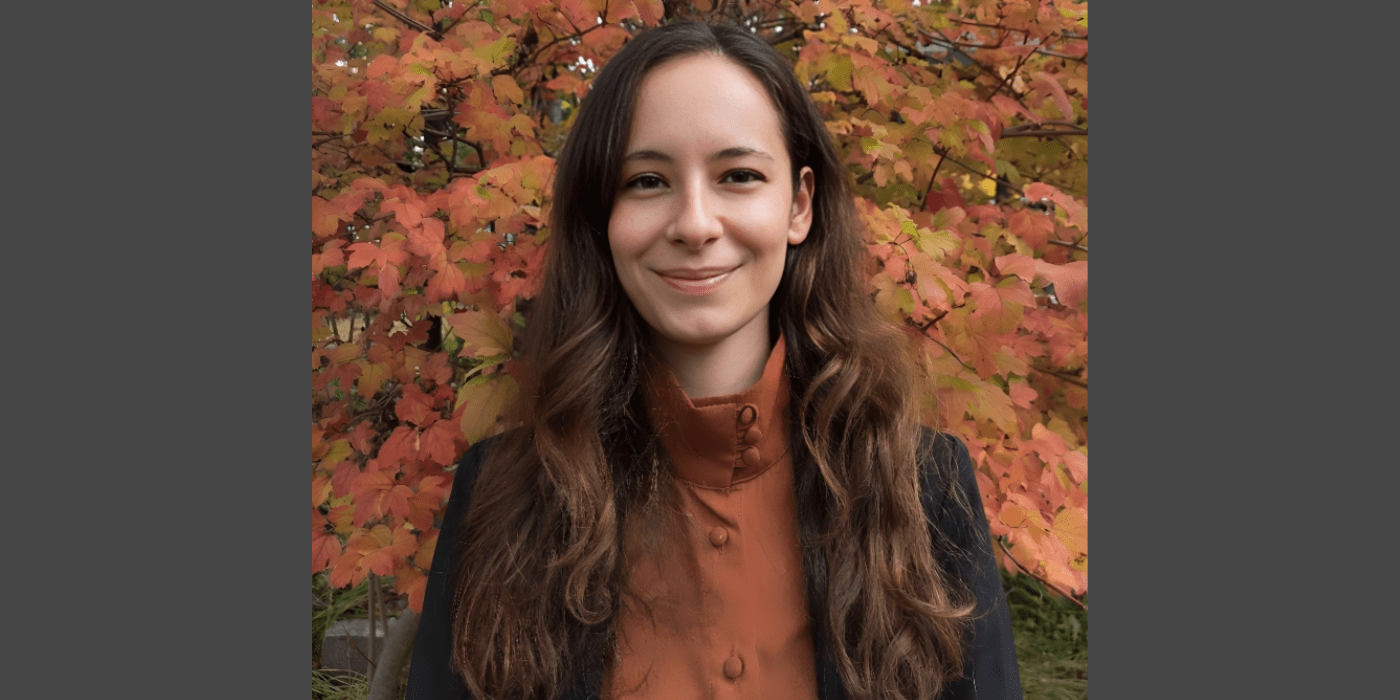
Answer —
802 206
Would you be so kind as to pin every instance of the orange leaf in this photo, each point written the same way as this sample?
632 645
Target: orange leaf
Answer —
1071 280
1057 94
1078 465
1022 395
651 11
448 282
325 546
1015 264
412 582
320 489
505 86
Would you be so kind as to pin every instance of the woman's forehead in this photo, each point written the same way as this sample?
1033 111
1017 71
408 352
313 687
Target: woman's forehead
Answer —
704 104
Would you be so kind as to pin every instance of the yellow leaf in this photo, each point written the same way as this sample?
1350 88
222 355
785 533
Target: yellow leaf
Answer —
481 400
373 377
988 186
340 449
483 333
505 86
1072 527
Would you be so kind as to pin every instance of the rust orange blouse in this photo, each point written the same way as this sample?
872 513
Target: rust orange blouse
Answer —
719 611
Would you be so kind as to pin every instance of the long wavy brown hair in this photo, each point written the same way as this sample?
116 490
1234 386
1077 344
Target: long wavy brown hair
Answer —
540 564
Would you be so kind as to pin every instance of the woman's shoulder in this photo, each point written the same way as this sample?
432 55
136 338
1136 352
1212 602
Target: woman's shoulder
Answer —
945 464
469 466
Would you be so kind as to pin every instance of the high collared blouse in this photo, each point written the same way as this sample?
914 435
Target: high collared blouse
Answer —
721 611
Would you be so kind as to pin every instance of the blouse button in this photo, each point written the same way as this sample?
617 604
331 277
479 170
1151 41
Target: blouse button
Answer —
753 435
733 667
751 456
718 536
747 414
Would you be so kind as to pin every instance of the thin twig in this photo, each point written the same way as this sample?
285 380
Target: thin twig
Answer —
1009 76
932 179
443 32
383 619
373 584
1067 244
1032 574
924 330
1044 132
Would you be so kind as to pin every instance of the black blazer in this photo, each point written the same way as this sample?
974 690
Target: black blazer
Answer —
989 668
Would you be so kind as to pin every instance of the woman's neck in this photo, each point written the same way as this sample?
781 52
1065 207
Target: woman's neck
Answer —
727 367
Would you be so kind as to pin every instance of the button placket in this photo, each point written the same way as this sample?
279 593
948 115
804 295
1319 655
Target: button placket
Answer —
749 434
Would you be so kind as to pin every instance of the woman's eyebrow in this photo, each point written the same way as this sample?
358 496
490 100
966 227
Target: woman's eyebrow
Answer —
725 154
740 152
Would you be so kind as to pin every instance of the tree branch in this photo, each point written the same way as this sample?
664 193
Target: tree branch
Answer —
1062 377
398 642
1009 134
789 35
975 171
1030 573
407 20
931 180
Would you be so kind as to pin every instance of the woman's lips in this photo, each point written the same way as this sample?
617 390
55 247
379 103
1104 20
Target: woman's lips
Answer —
696 281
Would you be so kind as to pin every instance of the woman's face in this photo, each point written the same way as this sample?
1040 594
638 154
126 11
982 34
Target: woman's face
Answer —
700 227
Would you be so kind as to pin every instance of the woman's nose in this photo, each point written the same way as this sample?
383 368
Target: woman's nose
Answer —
697 221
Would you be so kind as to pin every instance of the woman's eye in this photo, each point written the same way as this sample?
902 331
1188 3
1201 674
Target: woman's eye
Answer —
645 182
743 177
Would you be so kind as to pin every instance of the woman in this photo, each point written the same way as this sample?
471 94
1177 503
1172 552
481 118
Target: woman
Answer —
720 487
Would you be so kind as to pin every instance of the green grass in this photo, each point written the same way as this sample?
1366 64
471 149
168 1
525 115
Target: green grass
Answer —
1052 641
328 605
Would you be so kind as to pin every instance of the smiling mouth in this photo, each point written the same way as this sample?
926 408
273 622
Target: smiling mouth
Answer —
696 282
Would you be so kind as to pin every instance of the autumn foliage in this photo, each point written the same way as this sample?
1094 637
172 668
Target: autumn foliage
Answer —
434 127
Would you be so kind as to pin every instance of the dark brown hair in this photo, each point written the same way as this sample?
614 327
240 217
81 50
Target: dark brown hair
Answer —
536 582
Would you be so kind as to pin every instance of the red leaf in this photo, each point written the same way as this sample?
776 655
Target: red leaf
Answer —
438 443
436 369
398 447
371 488
414 406
397 500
